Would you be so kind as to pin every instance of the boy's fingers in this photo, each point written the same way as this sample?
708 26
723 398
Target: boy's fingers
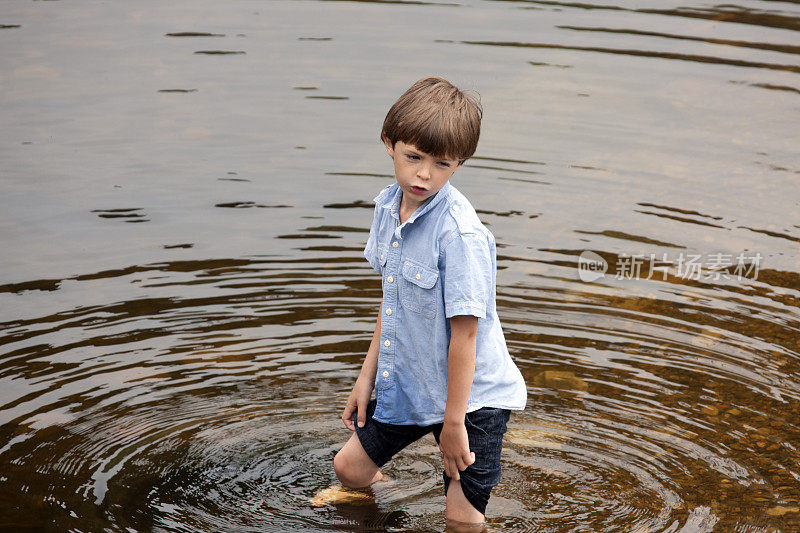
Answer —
451 469
454 473
347 416
362 411
468 459
347 423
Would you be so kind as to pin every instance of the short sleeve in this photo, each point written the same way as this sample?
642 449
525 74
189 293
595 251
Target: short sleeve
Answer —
371 249
467 283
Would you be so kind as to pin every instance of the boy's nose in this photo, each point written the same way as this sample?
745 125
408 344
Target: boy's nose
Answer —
423 172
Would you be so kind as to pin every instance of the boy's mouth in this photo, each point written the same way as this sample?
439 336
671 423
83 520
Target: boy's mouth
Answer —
418 190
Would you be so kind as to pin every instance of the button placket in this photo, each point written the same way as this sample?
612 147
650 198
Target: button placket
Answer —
386 363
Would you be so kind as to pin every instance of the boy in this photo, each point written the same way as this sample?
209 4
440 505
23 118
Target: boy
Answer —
438 360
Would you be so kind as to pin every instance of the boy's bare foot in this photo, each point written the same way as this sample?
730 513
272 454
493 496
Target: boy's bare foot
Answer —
339 494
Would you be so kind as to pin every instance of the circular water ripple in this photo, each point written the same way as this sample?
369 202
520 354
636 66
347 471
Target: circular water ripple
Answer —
654 414
664 412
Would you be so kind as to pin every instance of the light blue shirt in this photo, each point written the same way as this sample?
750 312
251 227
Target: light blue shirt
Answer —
439 263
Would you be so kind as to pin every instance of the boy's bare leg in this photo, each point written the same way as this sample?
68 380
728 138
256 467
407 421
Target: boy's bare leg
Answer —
353 466
458 507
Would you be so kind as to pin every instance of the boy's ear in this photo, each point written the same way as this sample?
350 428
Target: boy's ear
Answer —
389 147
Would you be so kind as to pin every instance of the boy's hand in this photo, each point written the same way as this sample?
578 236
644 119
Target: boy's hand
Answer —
357 402
454 445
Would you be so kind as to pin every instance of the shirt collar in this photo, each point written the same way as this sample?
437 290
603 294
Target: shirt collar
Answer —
390 197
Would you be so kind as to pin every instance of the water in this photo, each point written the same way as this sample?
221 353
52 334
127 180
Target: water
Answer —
184 304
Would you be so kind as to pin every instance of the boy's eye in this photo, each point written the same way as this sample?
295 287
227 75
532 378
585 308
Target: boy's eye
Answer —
415 157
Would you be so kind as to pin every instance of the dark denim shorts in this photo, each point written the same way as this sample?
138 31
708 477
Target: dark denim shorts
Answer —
485 429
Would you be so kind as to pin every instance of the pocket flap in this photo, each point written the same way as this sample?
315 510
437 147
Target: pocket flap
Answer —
420 275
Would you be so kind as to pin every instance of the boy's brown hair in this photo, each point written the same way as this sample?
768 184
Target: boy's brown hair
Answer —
437 117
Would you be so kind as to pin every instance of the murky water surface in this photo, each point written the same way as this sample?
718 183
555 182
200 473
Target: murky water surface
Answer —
184 304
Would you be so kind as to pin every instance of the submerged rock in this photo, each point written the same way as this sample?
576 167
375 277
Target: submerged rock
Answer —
780 510
560 379
539 437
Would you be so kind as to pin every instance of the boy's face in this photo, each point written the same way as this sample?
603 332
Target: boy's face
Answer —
419 175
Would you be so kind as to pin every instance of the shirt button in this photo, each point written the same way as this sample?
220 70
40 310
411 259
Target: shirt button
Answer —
381 257
385 373
395 244
417 275
388 311
390 279
386 342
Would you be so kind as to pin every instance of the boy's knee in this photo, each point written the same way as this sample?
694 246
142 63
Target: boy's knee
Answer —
341 468
347 472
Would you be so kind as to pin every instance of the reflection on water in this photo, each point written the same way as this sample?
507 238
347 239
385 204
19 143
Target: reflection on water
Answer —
184 304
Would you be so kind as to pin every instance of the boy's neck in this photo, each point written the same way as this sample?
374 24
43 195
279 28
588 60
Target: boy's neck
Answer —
408 206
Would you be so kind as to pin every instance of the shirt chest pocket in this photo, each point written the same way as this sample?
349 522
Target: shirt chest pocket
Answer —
418 288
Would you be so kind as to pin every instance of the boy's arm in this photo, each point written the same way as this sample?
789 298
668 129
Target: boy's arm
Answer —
453 441
362 390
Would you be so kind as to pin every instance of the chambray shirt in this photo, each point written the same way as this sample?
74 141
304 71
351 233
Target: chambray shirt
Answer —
439 263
